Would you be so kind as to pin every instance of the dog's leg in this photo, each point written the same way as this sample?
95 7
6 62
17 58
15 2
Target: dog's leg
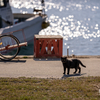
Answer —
75 70
68 70
79 70
64 70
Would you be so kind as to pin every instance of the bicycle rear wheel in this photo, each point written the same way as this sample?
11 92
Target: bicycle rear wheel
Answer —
9 47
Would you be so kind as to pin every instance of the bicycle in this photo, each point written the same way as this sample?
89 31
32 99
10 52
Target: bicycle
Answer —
9 47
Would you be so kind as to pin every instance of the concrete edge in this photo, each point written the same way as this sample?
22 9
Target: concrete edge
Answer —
73 56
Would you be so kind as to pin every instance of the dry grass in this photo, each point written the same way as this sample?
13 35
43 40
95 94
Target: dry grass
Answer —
85 88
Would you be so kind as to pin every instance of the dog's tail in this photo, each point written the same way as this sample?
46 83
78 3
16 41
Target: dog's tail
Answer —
82 64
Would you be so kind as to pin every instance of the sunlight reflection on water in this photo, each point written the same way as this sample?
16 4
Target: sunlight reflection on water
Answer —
76 20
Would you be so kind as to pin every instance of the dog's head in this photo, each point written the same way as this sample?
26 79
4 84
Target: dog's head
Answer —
63 59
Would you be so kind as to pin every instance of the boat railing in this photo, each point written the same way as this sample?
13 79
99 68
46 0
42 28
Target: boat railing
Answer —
16 31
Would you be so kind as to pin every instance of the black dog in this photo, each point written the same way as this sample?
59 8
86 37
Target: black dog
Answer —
74 63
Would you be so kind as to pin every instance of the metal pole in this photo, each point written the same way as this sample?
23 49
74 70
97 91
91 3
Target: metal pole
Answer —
43 6
67 52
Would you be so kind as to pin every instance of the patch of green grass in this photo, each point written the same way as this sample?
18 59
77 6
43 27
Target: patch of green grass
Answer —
85 88
25 57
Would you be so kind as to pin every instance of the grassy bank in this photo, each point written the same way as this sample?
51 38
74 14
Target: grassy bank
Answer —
85 88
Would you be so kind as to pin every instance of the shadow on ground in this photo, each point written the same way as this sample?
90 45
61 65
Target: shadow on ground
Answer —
46 59
72 75
15 61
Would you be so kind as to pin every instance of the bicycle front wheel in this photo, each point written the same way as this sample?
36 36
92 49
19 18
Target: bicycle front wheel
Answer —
9 47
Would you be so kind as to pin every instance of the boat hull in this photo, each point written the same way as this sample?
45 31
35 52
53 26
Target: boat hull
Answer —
26 30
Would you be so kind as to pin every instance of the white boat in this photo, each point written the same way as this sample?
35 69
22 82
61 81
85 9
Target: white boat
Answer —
27 24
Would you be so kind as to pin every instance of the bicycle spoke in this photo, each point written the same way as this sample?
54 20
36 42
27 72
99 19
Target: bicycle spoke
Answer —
9 47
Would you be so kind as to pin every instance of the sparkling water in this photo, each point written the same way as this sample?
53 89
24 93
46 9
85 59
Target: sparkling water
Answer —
77 21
